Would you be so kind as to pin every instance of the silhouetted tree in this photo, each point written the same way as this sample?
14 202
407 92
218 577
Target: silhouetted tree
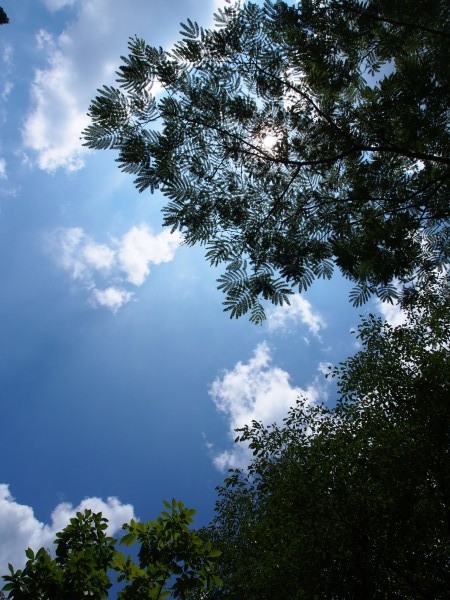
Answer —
290 139
3 17
351 502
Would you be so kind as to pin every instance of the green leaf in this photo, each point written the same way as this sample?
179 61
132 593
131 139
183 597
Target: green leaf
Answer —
29 553
128 539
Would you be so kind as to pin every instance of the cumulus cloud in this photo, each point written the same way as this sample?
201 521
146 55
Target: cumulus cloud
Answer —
259 391
19 528
82 57
111 297
139 249
104 269
299 311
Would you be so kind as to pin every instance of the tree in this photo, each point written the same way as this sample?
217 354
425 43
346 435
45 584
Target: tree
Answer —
3 17
84 554
291 139
353 501
173 561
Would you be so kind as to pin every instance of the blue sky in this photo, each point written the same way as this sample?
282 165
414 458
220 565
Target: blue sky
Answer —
121 379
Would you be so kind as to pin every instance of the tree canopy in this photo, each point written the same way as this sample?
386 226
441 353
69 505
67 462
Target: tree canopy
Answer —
353 501
293 138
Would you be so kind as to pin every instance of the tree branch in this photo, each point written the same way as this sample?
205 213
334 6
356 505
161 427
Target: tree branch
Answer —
383 19
357 148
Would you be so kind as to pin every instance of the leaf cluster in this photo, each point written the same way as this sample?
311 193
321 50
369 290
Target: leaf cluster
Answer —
173 560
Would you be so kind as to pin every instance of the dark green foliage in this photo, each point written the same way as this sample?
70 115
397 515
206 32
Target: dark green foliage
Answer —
3 17
351 502
173 561
353 100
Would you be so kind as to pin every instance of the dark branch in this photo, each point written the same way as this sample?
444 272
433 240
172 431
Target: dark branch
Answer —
397 22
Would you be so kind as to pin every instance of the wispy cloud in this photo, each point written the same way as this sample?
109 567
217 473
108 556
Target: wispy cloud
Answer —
2 168
19 528
52 129
299 311
102 269
7 55
55 5
6 76
76 253
82 57
257 390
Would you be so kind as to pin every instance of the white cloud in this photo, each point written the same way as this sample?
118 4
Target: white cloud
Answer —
112 297
6 75
99 256
2 168
7 54
66 244
53 129
259 391
325 368
84 56
139 249
54 5
78 255
392 313
7 88
298 311
128 259
19 528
